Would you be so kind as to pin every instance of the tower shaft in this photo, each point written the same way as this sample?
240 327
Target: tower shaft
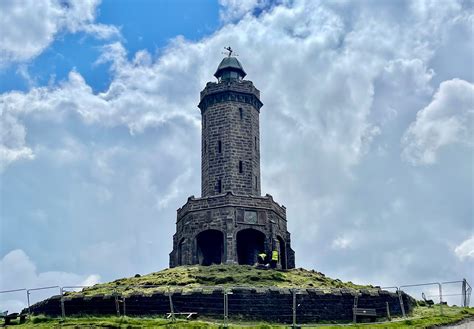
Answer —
230 138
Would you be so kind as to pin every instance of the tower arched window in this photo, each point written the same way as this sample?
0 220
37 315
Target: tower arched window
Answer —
241 167
219 146
241 113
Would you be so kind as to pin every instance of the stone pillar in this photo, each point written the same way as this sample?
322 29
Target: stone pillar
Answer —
231 248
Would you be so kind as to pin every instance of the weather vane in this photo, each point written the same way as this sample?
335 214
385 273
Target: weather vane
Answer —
229 51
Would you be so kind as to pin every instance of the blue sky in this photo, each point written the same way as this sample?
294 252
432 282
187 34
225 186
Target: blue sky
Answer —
366 132
143 24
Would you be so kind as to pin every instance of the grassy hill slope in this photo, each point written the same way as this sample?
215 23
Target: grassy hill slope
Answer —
223 275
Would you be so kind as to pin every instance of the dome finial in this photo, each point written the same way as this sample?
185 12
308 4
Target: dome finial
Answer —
230 68
229 49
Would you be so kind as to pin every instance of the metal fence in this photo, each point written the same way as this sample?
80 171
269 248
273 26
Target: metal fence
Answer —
226 303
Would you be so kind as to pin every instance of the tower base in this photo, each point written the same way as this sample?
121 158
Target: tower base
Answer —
231 229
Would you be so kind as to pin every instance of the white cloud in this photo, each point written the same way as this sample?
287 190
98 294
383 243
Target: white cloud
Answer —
18 271
8 156
232 10
174 189
29 26
466 249
90 280
409 72
446 120
121 252
341 243
325 62
67 151
12 141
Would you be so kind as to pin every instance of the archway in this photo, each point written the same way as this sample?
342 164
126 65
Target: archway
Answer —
282 252
210 247
249 243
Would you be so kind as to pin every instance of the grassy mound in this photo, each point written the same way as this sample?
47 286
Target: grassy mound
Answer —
224 276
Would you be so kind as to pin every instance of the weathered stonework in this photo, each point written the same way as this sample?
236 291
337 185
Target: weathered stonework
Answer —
230 115
228 214
269 304
231 222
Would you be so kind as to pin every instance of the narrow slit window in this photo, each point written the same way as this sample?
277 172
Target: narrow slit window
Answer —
255 143
241 113
219 186
256 182
241 167
219 147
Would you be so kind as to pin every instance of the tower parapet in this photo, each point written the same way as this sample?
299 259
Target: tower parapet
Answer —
238 91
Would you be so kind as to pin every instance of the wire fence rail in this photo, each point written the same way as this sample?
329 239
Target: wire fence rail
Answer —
227 302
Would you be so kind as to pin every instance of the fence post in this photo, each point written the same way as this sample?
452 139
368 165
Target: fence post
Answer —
124 313
28 299
400 298
294 307
440 298
354 306
171 306
63 310
464 294
117 306
225 308
468 292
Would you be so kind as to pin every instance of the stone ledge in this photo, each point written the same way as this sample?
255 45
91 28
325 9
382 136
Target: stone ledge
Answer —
244 86
229 199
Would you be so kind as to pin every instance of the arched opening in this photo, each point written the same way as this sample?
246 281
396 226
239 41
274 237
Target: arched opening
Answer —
180 252
282 252
210 247
250 242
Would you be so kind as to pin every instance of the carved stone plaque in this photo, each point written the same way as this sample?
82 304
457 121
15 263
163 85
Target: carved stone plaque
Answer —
250 217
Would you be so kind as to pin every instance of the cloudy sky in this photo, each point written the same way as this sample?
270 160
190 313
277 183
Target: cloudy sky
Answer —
366 132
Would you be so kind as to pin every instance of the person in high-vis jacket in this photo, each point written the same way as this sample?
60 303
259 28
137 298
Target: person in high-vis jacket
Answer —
274 260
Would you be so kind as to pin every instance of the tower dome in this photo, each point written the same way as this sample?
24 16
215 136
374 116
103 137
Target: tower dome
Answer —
230 69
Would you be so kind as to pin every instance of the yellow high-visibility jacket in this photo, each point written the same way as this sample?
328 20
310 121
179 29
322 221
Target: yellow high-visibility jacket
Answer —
275 255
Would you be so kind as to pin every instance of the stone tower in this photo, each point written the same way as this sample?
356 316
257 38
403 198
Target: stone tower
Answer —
231 222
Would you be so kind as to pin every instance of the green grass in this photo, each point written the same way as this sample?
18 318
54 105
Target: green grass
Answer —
110 322
188 277
422 317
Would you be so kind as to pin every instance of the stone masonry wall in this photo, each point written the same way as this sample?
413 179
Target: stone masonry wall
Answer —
230 135
269 304
226 213
230 198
